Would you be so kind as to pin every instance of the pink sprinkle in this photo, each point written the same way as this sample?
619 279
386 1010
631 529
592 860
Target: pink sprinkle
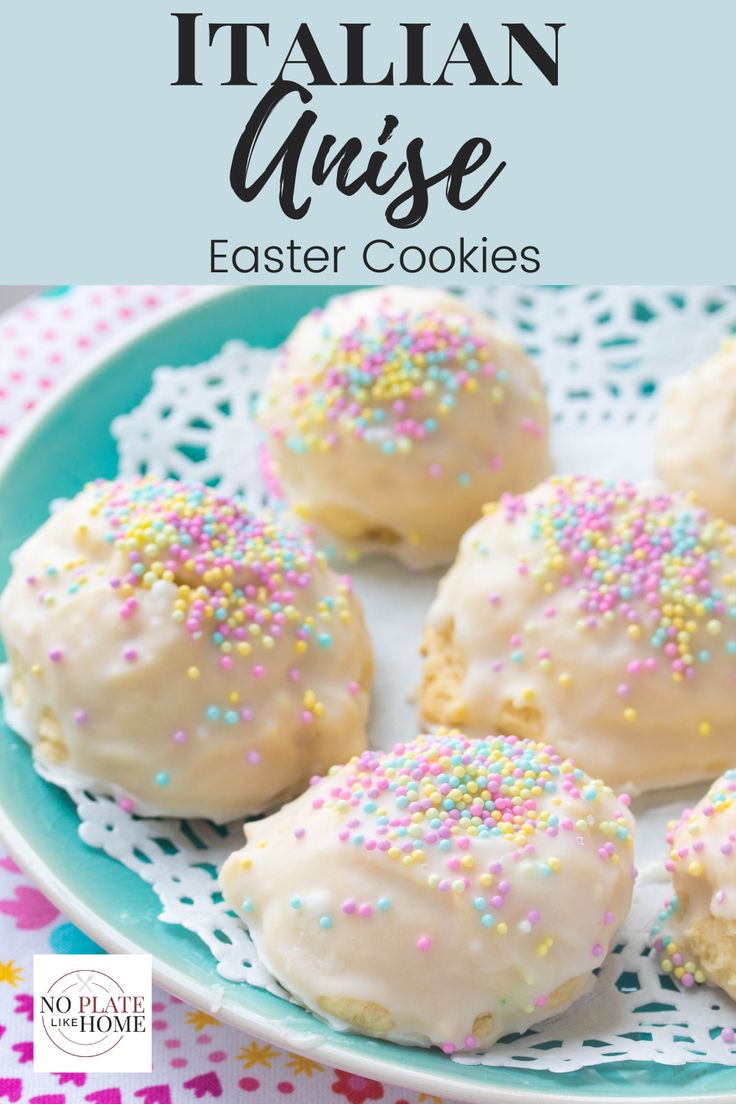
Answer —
80 717
55 655
348 907
130 655
365 909
259 671
253 757
424 943
597 950
126 804
299 833
180 737
728 1035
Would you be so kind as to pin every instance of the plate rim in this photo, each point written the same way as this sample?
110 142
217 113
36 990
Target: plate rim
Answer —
175 980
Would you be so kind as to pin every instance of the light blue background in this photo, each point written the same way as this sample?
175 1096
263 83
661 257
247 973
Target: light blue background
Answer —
624 173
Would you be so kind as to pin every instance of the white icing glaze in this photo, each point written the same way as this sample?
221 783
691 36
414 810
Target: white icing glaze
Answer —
702 856
522 611
695 433
111 692
389 489
361 898
696 934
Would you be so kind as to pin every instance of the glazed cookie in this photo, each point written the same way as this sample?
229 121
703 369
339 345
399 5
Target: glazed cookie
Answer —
441 894
393 414
600 616
191 657
696 934
695 433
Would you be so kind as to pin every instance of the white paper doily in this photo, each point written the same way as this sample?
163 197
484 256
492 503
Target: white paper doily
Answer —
604 353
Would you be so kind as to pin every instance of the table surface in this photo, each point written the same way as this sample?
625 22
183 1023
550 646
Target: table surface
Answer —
194 1056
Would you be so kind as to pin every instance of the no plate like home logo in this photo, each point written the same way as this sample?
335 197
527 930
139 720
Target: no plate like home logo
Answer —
92 1013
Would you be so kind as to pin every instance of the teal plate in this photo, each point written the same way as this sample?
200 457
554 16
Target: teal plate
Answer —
67 444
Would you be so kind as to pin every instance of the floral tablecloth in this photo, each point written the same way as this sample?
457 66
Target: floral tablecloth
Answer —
195 1056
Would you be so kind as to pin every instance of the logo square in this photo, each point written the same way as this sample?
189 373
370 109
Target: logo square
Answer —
92 1013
